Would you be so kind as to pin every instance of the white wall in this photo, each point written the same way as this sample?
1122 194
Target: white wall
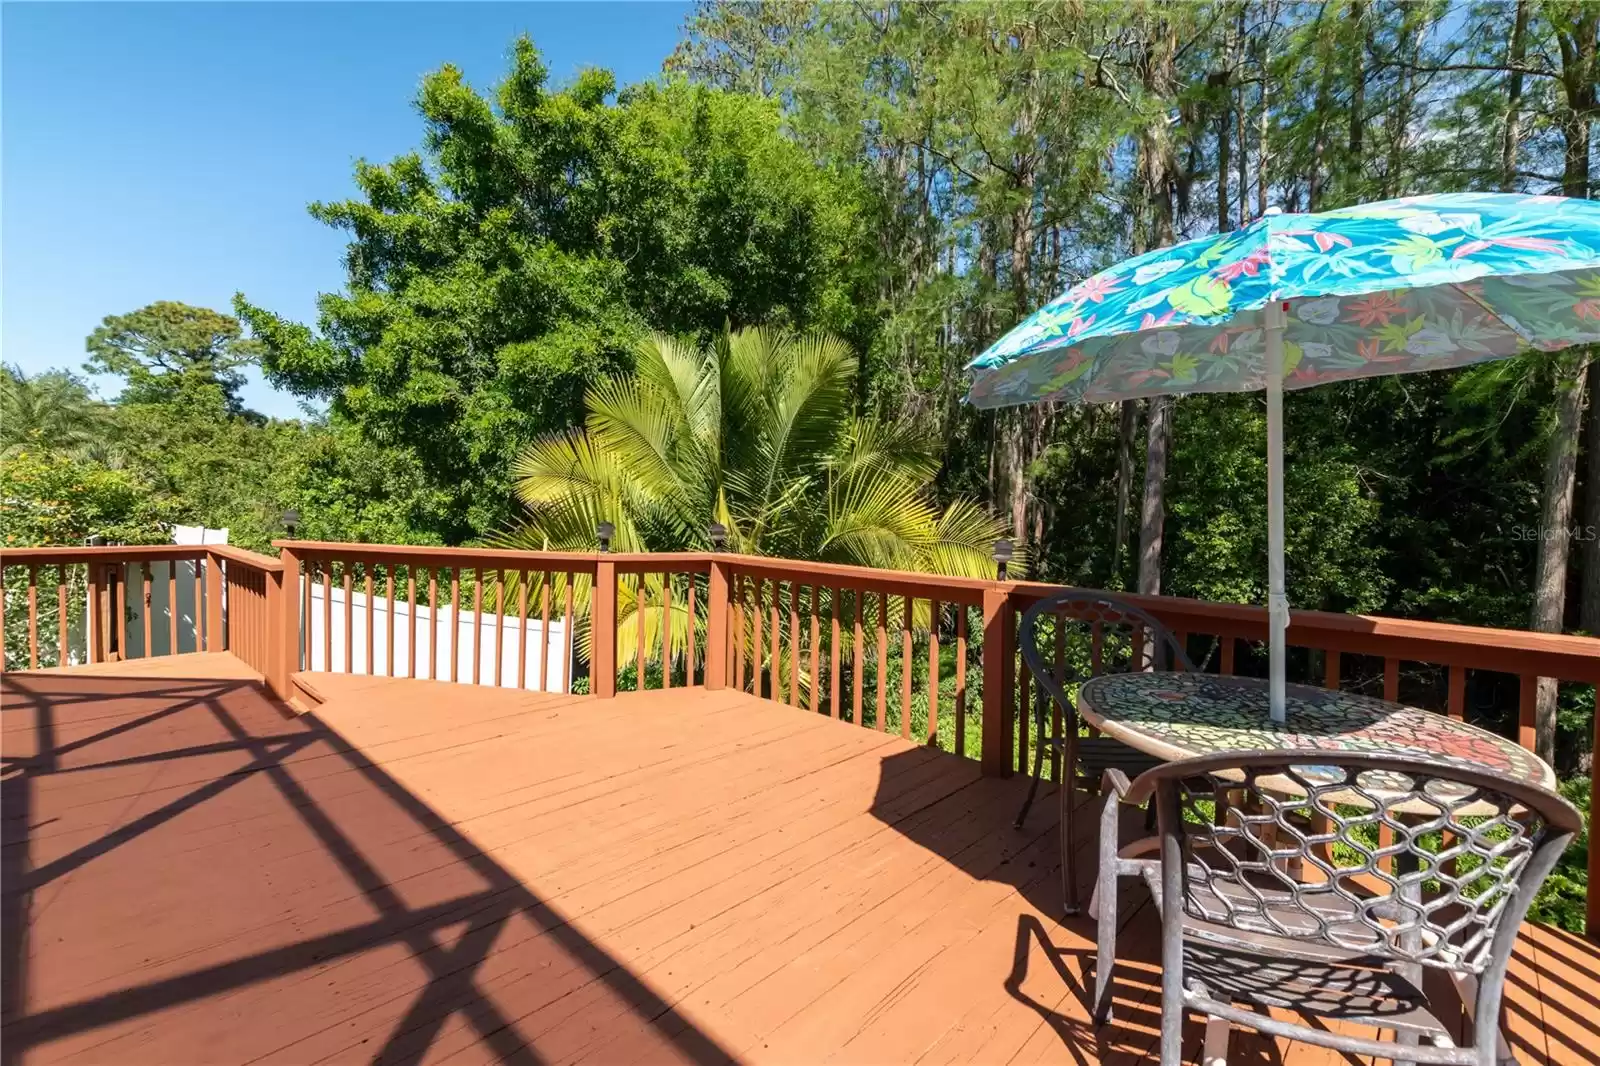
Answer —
455 639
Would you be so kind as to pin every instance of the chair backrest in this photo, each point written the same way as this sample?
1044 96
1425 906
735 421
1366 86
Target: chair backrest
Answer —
1389 856
1075 634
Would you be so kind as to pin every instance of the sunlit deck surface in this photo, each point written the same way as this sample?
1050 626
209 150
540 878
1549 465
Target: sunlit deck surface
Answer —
417 871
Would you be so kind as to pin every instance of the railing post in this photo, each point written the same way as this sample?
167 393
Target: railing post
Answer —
216 634
603 630
717 625
999 680
283 622
1592 905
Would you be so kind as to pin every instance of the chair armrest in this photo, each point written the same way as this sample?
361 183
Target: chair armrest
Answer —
1115 783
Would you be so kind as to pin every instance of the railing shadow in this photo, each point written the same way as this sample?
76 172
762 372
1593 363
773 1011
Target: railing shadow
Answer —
482 955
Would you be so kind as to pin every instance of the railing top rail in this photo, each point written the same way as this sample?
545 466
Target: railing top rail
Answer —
580 562
895 582
1516 651
110 552
245 556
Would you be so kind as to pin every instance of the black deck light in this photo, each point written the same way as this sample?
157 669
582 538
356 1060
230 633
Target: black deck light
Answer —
291 521
1003 554
719 537
605 531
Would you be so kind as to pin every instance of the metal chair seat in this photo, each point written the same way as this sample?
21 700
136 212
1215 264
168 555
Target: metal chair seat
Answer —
1349 992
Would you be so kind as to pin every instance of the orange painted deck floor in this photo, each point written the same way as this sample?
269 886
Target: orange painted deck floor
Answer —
422 872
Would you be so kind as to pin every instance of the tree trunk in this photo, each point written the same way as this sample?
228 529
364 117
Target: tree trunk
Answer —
1511 135
1126 428
1358 90
1555 528
1152 516
1589 551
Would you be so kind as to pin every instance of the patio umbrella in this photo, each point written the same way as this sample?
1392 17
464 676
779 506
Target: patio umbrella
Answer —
1290 301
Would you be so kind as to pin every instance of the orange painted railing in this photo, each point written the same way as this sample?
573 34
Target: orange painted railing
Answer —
121 602
932 658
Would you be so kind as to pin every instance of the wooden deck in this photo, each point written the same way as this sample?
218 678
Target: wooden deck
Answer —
421 872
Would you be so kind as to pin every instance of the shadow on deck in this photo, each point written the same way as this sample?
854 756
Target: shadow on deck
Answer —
418 871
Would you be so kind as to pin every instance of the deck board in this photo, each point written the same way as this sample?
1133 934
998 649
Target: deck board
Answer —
418 872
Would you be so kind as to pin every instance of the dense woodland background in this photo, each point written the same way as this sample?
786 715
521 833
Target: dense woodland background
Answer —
913 178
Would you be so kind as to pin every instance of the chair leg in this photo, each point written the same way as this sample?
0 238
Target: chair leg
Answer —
1214 1051
1106 922
1038 768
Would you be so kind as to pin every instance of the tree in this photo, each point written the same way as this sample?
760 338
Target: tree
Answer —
169 351
50 411
513 260
756 431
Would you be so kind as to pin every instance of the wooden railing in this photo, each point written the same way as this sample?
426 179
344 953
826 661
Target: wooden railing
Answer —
932 658
123 602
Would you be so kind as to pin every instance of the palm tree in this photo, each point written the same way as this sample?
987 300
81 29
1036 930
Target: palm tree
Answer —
50 410
757 432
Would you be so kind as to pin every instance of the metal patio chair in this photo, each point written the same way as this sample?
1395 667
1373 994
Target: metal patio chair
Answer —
1327 884
1067 638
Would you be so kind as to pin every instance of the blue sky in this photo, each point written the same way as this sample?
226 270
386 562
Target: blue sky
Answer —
168 151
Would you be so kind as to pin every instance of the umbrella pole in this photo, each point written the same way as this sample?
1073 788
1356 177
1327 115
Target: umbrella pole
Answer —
1277 602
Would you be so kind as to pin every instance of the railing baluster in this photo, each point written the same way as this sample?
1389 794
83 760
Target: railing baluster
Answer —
372 613
934 610
1226 666
1456 701
388 620
794 643
566 662
1527 711
327 615
1391 679
690 622
477 624
349 616
835 605
883 663
775 656
666 632
121 596
640 610
411 621
455 620
433 623
816 652
199 603
906 641
1330 670
1024 683
499 622
739 586
522 629
62 652
1056 723
149 643
861 657
172 603
755 640
961 679
544 631
33 618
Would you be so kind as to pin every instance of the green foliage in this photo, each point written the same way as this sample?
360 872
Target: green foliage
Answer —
52 409
495 274
1561 901
169 352
51 498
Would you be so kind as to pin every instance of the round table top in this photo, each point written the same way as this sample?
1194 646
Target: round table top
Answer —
1181 715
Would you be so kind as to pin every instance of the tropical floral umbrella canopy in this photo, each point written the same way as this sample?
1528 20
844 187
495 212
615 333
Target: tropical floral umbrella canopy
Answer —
1290 301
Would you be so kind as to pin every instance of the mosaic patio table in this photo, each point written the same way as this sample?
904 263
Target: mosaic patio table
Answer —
1181 715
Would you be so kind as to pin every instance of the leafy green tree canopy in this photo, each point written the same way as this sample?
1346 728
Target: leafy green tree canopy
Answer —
52 410
169 350
513 259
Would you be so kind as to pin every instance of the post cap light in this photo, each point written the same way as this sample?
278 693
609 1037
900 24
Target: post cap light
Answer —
719 536
605 531
1003 554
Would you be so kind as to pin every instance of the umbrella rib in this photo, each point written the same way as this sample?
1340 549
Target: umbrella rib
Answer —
1514 327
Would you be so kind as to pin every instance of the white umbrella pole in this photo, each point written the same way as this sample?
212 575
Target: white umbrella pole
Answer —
1277 601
